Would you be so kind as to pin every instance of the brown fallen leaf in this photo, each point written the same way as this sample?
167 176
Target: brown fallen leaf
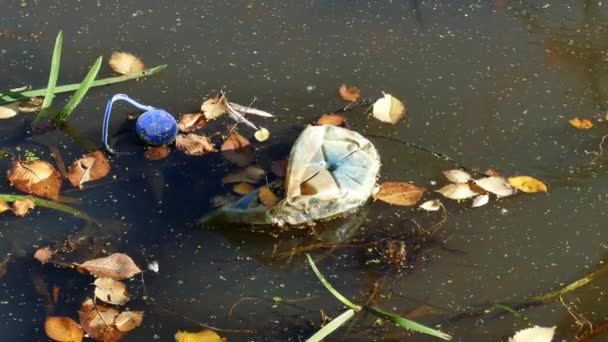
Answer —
31 105
111 291
349 93
4 206
43 255
56 294
214 107
194 144
116 266
157 152
250 174
332 120
527 184
22 207
242 188
125 63
399 193
98 321
63 329
267 197
279 167
238 150
201 336
128 320
191 122
581 123
38 178
92 166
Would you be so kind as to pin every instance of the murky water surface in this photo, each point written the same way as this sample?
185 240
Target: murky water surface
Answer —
492 84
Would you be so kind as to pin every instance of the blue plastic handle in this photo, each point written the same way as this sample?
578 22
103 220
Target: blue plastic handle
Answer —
106 117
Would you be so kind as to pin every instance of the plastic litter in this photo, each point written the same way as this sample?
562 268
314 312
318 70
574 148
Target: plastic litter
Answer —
331 171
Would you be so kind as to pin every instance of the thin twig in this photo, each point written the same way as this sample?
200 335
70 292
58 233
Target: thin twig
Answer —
205 325
242 115
601 146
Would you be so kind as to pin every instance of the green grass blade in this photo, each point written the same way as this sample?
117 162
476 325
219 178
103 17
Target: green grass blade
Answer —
47 204
12 96
52 83
408 324
332 326
330 288
80 93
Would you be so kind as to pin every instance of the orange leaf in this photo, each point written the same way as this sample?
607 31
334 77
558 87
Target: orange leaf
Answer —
349 93
22 207
157 152
63 329
191 122
116 266
92 166
4 206
38 178
242 188
98 321
43 254
125 63
267 197
399 193
580 123
331 119
238 150
527 184
128 320
201 336
194 144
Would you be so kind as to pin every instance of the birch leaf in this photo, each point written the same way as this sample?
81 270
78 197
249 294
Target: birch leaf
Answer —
128 320
496 185
457 191
480 200
38 178
214 107
194 144
97 321
62 329
111 291
534 334
238 150
92 166
116 266
125 63
388 109
399 193
457 176
527 184
191 122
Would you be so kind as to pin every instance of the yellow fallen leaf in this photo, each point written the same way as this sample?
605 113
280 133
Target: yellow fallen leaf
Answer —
125 63
201 336
399 193
242 188
527 184
267 197
262 134
580 123
63 329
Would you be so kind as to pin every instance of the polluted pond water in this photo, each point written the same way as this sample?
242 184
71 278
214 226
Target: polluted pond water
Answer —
457 191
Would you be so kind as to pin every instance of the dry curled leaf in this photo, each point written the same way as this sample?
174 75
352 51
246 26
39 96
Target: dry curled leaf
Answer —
527 184
238 150
191 122
157 152
432 205
201 336
128 320
4 206
581 123
457 176
116 266
388 109
332 120
43 254
38 178
31 105
349 93
262 134
279 167
98 321
125 63
9 110
63 329
22 207
250 174
111 291
480 200
194 144
92 166
457 191
496 185
399 193
242 188
534 334
214 107
267 197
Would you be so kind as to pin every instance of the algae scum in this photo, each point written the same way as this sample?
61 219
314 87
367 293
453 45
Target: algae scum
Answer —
487 86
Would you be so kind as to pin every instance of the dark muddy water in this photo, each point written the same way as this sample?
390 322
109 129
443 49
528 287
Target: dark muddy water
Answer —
491 84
